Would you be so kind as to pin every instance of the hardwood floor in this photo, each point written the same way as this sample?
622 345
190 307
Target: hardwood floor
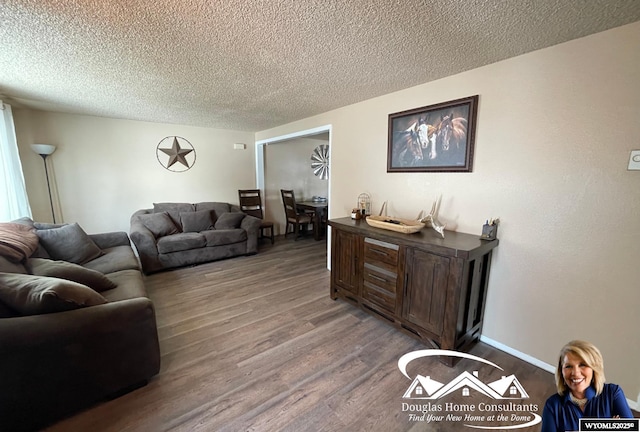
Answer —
256 344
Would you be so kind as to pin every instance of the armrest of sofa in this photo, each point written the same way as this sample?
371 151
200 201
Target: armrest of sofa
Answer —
55 364
26 332
252 226
111 239
146 245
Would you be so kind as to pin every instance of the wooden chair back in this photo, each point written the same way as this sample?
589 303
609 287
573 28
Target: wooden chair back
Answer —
251 202
289 202
294 219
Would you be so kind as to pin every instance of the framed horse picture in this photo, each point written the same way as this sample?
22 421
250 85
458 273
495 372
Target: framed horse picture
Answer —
434 138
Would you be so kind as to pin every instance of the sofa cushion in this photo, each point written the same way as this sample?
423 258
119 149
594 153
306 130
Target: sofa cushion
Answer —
160 224
196 221
69 243
34 295
17 241
224 237
69 271
227 221
217 207
181 242
114 259
130 285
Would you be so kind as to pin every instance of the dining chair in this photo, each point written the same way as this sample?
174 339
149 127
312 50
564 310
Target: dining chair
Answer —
294 218
251 204
324 222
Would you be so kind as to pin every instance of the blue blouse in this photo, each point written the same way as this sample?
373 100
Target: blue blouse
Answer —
561 415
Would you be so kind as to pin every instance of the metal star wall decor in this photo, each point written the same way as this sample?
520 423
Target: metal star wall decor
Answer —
180 150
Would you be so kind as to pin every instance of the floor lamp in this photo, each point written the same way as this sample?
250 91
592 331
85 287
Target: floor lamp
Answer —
45 150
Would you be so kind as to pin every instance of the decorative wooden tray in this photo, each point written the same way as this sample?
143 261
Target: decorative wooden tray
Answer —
391 223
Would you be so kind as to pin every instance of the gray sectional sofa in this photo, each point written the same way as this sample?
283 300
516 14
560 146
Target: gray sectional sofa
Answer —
76 326
179 234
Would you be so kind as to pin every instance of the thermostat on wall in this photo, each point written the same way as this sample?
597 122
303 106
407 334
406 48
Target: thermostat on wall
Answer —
634 160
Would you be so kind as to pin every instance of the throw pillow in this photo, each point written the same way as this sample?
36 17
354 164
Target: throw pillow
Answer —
160 224
24 221
69 271
230 220
174 210
47 225
217 207
17 241
69 243
196 221
34 295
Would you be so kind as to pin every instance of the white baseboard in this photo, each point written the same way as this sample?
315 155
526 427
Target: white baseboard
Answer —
522 356
542 365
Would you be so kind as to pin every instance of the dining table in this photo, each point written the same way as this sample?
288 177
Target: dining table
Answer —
319 208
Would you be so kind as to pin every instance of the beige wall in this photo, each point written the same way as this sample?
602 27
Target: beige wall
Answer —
105 169
288 166
554 131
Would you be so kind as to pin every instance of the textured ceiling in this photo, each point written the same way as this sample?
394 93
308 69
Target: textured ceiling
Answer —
254 64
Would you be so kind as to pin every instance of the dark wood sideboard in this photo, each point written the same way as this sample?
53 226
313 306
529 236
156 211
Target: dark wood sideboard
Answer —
431 288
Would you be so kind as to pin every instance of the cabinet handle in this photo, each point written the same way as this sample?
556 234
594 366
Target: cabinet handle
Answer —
372 276
404 306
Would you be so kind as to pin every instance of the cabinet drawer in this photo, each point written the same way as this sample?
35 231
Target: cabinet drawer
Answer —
380 278
376 251
379 286
380 298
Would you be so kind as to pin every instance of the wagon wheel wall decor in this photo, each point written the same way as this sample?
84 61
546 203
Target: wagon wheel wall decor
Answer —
176 154
320 161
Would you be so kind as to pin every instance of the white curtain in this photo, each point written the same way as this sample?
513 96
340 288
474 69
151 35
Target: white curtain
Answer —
13 193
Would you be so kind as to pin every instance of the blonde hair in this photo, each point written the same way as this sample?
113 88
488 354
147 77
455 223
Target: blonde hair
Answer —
590 355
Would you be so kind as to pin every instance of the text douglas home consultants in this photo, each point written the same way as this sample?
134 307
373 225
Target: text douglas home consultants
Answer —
453 412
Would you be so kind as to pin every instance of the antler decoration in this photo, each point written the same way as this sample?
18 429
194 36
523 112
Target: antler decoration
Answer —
432 218
383 209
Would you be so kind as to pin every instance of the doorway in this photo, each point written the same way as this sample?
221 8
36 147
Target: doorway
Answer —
284 162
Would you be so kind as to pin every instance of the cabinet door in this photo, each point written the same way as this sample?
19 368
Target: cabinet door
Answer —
344 267
425 289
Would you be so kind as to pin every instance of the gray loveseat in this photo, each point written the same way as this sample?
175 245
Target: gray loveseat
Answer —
76 326
180 234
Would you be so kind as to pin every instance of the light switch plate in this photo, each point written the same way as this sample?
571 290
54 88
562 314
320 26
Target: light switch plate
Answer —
634 160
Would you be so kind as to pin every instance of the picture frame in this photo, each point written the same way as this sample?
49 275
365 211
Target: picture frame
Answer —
434 138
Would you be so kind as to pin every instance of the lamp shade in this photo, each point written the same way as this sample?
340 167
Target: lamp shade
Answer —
43 149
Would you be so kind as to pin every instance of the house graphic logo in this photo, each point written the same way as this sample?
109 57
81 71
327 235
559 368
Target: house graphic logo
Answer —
507 387
504 400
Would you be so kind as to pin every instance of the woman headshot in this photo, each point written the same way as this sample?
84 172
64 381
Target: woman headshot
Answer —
582 392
